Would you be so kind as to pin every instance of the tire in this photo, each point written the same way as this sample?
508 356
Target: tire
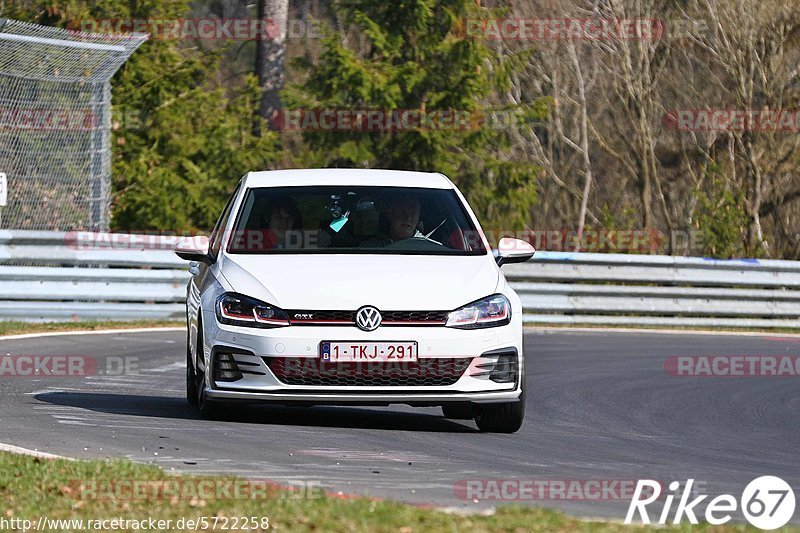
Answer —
501 417
458 411
210 409
191 382
191 377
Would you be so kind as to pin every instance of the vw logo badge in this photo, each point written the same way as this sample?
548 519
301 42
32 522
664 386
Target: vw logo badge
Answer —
368 318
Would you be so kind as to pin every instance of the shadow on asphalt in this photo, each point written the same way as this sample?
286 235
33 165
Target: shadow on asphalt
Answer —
178 408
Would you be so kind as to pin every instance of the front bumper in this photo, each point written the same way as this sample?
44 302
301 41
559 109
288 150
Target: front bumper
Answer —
253 350
382 398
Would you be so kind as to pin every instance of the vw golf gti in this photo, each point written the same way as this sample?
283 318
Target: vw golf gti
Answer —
354 287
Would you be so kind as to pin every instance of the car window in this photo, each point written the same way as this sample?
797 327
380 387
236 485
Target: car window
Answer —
217 237
354 220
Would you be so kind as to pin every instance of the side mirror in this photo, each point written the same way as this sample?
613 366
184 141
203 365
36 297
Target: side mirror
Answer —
513 251
194 249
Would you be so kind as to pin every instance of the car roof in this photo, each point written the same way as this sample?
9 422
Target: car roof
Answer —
347 176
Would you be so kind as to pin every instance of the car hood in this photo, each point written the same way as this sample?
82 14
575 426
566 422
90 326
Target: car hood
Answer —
346 282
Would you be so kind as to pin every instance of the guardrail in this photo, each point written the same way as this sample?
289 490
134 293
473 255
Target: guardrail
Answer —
653 290
90 276
107 276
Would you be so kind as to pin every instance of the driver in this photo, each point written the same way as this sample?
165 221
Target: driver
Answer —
403 220
403 215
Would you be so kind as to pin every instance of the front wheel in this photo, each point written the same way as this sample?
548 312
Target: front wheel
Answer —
458 411
501 417
209 409
191 377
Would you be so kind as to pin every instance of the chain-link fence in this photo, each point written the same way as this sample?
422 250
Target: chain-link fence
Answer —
55 124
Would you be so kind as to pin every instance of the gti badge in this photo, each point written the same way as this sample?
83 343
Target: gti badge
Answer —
368 318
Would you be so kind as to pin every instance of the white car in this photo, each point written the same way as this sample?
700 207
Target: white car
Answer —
354 287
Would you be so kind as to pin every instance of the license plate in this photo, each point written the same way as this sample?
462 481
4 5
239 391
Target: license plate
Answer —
369 351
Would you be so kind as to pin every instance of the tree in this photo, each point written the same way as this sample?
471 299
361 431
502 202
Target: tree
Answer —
415 56
754 46
270 67
181 140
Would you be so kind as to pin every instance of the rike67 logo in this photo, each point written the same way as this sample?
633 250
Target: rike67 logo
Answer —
767 503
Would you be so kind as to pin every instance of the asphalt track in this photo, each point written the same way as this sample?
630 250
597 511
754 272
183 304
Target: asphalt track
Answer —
600 406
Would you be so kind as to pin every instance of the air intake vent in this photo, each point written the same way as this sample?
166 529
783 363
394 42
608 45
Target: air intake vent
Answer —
504 370
225 368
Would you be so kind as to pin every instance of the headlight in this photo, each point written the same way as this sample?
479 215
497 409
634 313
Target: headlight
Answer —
489 312
238 310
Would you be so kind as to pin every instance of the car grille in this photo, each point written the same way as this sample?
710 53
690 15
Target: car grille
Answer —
389 318
316 372
439 317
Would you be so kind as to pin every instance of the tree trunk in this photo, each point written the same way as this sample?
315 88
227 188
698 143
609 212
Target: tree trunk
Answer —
584 144
270 65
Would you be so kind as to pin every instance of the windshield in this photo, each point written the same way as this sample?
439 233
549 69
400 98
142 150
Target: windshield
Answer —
354 220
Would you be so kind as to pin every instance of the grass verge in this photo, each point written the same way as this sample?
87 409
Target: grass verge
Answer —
13 327
97 490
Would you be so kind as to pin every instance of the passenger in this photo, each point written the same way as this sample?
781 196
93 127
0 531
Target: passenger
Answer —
283 223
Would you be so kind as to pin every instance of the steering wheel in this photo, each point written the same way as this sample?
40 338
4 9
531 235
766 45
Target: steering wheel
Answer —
418 242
